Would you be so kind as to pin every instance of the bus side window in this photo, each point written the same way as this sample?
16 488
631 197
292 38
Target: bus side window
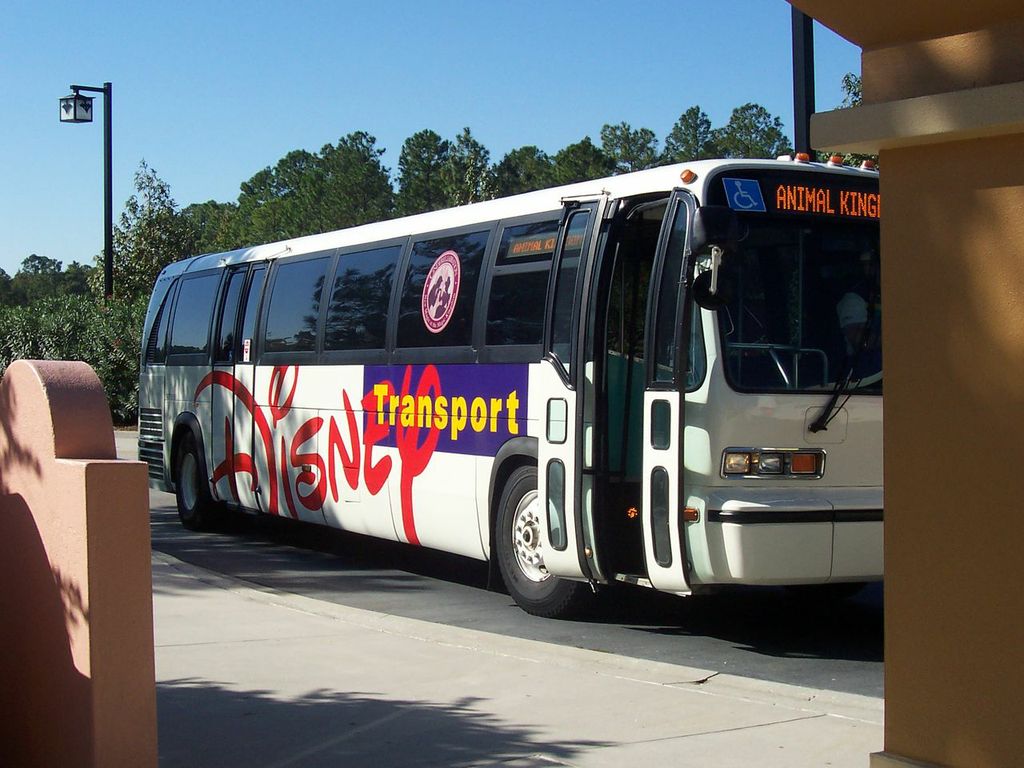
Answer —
515 306
293 309
244 353
668 298
225 349
665 323
193 311
698 363
565 288
156 346
444 317
358 311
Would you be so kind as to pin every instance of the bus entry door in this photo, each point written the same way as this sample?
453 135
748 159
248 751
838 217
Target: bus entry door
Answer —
667 347
564 452
233 404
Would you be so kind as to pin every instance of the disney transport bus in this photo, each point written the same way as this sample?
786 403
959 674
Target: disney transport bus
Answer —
669 378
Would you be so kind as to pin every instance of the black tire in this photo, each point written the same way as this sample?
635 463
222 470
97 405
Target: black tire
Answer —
196 510
534 590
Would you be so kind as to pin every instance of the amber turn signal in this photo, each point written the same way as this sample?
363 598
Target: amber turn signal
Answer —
803 464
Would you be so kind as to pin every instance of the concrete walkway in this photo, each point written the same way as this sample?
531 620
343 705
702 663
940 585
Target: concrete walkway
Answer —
250 677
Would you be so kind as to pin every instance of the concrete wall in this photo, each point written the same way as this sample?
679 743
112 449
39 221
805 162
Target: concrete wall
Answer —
953 288
78 683
944 85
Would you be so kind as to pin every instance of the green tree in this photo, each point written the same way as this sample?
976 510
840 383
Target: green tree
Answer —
40 265
421 165
107 336
690 138
581 161
277 203
151 234
343 185
467 173
351 185
214 225
7 295
752 131
39 277
630 149
523 170
852 96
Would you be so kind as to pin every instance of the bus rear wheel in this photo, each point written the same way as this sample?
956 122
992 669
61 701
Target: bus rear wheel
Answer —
521 553
196 510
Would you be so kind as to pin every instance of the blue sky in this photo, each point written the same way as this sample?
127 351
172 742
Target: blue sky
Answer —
210 92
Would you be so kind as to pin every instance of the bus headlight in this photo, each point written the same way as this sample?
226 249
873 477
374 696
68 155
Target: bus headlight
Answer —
773 462
736 463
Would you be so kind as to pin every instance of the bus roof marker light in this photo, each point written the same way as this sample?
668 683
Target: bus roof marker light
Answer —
784 158
868 165
836 160
801 157
687 176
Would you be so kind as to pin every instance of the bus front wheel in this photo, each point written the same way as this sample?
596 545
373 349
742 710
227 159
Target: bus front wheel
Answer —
521 553
196 509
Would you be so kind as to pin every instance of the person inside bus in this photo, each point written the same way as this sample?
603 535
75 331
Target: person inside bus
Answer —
858 310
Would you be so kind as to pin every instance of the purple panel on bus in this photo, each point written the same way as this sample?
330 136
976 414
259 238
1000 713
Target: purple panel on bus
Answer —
472 409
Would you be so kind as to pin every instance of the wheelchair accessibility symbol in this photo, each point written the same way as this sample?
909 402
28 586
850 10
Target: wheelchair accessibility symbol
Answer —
744 195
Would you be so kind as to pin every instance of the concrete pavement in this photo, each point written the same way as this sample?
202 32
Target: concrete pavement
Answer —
256 678
253 677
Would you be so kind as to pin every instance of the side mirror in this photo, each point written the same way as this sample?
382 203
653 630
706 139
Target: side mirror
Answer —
715 228
705 298
714 225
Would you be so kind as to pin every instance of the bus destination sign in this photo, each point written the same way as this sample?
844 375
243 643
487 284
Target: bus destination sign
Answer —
531 246
803 195
811 198
539 246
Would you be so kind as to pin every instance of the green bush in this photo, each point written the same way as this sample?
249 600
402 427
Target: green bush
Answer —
107 337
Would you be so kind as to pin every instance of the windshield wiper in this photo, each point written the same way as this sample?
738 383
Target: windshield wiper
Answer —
842 387
843 383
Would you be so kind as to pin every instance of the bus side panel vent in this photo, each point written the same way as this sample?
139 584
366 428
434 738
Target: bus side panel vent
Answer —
151 441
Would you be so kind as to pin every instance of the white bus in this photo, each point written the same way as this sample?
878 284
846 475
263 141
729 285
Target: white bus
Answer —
670 378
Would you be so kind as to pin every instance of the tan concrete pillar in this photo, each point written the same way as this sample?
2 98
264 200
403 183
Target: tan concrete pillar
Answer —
77 669
944 95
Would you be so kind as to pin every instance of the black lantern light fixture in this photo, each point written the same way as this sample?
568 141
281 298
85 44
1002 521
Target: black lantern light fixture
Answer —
76 108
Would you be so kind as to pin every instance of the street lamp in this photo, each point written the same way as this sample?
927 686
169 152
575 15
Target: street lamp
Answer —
76 108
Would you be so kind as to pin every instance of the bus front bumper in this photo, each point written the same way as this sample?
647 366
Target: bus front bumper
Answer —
760 537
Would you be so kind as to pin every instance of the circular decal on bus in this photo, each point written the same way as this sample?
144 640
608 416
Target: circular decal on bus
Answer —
441 291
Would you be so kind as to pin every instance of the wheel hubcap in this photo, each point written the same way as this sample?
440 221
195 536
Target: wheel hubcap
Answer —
526 538
189 481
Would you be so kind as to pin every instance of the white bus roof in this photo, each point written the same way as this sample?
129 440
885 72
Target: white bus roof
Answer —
654 180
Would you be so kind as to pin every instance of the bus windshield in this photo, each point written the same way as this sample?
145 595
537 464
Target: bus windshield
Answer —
803 306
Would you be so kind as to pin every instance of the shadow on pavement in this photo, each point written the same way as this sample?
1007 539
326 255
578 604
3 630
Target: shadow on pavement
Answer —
764 620
204 723
769 622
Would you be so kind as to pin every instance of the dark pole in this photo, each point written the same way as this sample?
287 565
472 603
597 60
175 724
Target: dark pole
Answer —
803 80
108 199
108 191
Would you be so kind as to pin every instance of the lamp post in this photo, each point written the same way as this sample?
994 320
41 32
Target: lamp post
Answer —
803 80
76 108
